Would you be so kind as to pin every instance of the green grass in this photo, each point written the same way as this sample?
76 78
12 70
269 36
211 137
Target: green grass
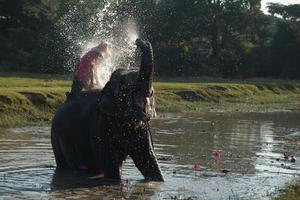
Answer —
33 98
30 98
292 192
243 97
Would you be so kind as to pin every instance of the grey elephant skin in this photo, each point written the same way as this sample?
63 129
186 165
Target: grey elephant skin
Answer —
96 131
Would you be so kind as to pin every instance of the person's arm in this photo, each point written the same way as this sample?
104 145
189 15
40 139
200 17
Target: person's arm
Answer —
90 67
93 74
96 75
95 68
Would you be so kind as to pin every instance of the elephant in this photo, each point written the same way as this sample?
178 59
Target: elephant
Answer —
96 131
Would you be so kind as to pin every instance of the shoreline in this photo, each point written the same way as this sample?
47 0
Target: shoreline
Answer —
33 98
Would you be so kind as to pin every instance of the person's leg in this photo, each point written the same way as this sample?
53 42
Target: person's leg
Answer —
76 89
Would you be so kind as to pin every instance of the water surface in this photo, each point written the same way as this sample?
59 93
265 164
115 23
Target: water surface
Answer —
251 164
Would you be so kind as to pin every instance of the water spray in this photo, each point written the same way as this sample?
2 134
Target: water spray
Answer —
104 25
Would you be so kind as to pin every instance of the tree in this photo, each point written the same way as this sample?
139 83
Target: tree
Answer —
222 38
23 25
213 36
285 45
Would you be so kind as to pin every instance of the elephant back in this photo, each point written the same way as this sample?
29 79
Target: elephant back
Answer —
89 95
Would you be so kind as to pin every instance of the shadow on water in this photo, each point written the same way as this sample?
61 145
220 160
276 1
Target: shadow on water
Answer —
68 179
35 182
97 186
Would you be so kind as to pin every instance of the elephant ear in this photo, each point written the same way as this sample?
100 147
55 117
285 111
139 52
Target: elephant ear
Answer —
106 104
119 98
117 92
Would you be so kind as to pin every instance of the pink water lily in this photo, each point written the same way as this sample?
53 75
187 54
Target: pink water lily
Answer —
286 156
197 166
295 140
83 167
122 186
216 154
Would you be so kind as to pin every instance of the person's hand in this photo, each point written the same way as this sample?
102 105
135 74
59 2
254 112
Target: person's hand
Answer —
103 46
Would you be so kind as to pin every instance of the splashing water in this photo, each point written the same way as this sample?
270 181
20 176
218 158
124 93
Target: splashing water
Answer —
132 32
105 24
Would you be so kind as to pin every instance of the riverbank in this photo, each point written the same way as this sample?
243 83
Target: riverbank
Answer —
30 98
33 98
292 192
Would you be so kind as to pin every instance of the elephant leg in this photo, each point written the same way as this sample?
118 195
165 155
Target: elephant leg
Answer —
112 166
59 156
69 151
144 158
70 156
112 156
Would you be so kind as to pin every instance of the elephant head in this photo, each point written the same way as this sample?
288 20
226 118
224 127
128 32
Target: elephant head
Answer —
129 94
128 103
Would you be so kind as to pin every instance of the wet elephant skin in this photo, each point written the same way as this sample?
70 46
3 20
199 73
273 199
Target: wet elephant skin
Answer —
98 130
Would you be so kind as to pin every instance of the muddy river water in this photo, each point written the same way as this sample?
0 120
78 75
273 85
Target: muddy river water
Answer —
202 156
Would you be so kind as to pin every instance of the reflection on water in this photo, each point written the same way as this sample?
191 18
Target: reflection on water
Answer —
251 162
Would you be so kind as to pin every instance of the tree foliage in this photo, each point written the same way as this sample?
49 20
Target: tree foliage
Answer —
221 38
24 25
285 45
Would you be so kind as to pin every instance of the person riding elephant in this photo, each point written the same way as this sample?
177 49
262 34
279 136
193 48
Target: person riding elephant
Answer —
85 77
98 130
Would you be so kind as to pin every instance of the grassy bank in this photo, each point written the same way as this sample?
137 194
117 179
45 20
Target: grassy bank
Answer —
292 192
33 98
30 98
240 97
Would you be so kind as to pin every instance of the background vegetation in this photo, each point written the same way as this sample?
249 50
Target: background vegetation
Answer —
218 38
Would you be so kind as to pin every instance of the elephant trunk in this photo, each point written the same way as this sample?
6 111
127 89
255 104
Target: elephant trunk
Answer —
143 155
145 76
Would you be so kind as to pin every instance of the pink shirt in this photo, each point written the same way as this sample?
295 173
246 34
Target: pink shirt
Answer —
83 72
